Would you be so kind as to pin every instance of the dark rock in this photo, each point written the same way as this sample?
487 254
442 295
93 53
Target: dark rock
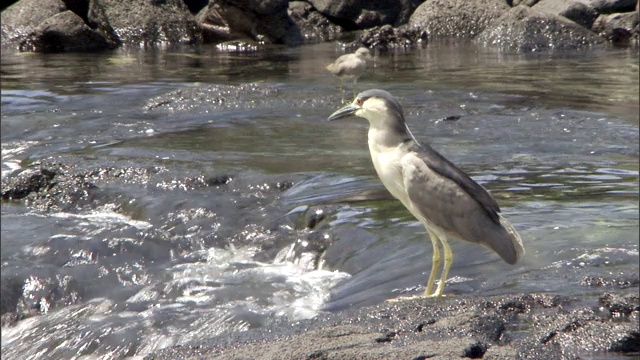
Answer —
620 29
50 25
11 292
423 324
21 18
362 14
457 18
310 25
79 7
490 327
553 327
50 186
475 350
6 4
386 37
621 281
576 11
265 21
612 6
196 5
628 344
387 337
522 2
150 23
218 180
314 216
64 32
317 355
618 305
30 183
524 29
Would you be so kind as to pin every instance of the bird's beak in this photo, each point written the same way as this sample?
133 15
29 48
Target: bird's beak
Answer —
344 112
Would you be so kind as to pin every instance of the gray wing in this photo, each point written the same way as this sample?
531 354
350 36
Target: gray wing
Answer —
446 197
443 167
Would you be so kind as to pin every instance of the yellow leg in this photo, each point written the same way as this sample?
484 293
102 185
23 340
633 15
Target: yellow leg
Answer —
435 264
353 89
448 260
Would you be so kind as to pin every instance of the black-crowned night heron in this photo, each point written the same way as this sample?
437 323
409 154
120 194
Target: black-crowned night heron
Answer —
350 67
445 199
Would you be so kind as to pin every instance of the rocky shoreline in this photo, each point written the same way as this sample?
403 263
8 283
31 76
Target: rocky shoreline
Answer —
519 326
514 25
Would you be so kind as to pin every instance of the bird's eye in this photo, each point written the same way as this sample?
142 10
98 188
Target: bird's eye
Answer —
359 101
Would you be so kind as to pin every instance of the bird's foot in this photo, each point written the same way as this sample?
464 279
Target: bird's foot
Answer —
404 298
413 297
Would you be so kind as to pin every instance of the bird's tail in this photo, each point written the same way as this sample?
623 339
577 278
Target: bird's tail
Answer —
512 249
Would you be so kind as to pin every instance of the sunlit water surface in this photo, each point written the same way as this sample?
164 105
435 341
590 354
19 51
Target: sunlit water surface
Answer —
554 137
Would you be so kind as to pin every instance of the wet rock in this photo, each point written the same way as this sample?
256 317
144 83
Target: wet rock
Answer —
307 251
618 305
620 28
310 25
314 216
620 281
475 350
244 96
552 327
196 5
262 21
51 186
28 182
151 23
457 18
387 37
628 344
612 6
56 25
237 97
362 14
524 29
576 11
64 32
23 17
11 292
513 3
27 295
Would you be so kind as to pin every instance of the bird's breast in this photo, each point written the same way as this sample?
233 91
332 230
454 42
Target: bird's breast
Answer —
387 162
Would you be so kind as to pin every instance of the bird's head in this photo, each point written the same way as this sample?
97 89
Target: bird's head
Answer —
363 53
377 106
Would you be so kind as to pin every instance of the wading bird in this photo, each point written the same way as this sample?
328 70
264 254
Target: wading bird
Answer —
350 67
441 196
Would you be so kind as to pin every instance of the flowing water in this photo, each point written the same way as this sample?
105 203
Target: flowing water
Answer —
161 259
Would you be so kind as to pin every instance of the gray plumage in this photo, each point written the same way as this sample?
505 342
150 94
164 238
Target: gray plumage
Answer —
444 198
350 67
